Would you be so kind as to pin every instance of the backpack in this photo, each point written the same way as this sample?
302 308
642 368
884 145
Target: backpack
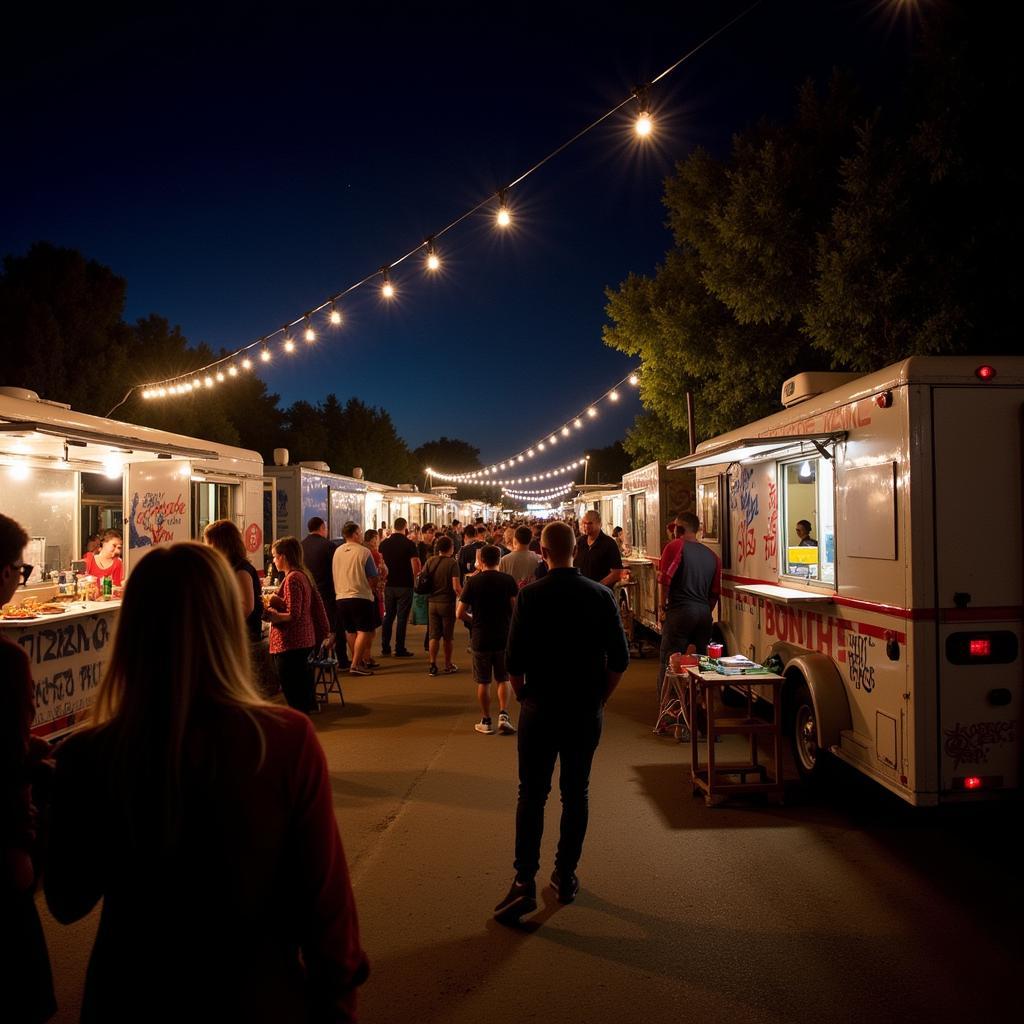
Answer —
424 582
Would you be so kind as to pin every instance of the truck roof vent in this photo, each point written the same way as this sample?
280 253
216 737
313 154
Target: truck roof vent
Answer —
809 385
319 467
25 395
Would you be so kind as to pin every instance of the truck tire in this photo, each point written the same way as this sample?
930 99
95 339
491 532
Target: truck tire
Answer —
811 761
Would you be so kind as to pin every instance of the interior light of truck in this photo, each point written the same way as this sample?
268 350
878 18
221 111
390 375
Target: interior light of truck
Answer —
980 648
972 782
985 373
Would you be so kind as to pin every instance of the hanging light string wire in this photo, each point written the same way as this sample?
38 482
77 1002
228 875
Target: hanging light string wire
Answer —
189 380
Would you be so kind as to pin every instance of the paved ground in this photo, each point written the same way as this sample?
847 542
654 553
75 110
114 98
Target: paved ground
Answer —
849 907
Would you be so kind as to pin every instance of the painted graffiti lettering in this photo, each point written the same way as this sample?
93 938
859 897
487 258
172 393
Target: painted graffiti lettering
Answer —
58 687
89 676
771 538
969 744
155 518
66 641
747 502
862 673
845 417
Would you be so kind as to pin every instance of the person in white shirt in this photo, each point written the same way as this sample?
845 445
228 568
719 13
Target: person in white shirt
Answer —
353 568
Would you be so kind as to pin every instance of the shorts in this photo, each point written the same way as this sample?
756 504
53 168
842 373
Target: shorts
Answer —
357 615
441 624
484 662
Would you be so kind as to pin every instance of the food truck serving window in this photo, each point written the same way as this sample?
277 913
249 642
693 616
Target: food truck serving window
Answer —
807 549
211 502
638 521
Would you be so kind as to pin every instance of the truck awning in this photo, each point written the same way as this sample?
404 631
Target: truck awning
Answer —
745 449
41 433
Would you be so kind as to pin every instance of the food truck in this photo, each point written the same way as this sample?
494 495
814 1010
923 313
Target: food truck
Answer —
310 489
652 497
604 498
870 537
57 468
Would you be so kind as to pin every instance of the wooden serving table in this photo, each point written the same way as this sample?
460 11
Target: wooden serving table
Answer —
718 780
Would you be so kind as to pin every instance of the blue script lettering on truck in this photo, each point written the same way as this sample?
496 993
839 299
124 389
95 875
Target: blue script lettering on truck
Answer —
745 500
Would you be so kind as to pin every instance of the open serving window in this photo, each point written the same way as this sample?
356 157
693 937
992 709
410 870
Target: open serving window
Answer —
808 550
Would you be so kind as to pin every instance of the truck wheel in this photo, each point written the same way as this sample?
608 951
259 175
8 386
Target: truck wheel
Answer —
809 757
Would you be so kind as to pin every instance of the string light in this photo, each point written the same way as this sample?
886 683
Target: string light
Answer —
310 334
503 218
265 355
246 364
433 260
634 379
483 476
232 371
613 395
289 345
543 495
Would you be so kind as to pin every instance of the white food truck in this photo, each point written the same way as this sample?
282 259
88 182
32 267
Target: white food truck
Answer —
603 498
871 537
63 474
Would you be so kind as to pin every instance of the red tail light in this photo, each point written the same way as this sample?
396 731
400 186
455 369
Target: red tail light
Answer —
981 648
972 782
985 373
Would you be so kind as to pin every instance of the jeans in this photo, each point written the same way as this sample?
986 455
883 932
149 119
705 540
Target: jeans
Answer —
684 624
397 605
570 735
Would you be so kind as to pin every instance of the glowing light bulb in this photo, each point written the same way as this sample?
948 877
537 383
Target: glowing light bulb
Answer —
232 371
163 392
147 394
591 412
220 376
529 454
565 431
265 355
520 459
614 396
541 446
504 218
246 364
310 334
208 382
577 423
289 345
634 379
197 383
388 290
552 439
335 315
643 125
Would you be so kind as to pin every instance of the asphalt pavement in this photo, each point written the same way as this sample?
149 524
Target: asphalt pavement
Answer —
842 906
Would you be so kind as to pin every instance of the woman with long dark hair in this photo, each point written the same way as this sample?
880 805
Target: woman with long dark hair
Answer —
298 624
202 816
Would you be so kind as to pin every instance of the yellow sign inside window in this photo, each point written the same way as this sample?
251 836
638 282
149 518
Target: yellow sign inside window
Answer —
803 555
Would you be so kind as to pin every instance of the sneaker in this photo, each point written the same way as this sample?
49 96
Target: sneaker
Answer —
567 888
450 669
403 654
385 652
520 899
357 670
505 726
371 664
484 726
432 670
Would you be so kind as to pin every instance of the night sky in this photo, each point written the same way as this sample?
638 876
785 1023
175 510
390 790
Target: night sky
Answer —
239 167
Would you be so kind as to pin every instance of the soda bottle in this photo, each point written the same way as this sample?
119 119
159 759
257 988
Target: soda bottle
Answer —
108 586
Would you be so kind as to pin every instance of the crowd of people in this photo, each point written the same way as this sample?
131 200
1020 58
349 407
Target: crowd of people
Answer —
187 772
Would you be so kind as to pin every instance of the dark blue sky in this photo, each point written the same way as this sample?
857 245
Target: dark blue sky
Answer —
237 167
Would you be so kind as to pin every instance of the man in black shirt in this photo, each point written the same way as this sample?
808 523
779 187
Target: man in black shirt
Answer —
318 552
486 604
597 556
402 558
467 553
566 654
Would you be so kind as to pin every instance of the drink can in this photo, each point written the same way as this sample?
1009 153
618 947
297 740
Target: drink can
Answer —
108 586
715 650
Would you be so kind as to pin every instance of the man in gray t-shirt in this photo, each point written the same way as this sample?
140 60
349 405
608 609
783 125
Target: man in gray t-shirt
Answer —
520 563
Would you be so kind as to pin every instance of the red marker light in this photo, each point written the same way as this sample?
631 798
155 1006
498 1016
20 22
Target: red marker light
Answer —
972 782
985 373
980 648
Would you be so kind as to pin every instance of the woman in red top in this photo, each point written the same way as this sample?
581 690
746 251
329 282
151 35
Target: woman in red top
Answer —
298 624
107 560
202 817
371 539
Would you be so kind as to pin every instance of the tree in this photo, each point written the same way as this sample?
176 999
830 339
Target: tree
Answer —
607 465
846 238
449 455
60 318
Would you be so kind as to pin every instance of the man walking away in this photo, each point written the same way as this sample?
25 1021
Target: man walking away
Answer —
353 569
520 563
597 555
689 585
566 654
444 574
467 554
318 552
402 558
486 602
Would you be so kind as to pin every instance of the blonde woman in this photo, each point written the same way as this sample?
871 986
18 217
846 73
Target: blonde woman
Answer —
202 817
298 624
